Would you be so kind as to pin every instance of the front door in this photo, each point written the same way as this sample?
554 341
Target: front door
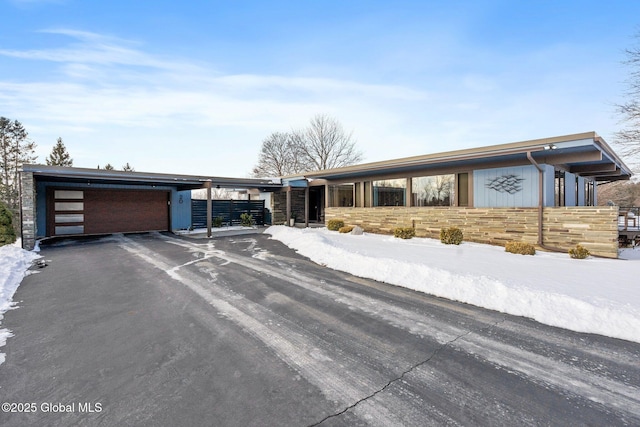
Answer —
316 204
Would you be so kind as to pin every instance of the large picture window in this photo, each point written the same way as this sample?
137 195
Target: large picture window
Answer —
438 190
389 192
341 195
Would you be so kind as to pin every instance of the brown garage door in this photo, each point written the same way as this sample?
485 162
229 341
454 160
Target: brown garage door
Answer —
96 211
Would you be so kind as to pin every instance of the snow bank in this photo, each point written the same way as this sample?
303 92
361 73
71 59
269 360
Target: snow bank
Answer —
595 295
14 262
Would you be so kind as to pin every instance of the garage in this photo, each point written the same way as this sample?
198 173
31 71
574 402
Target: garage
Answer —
69 201
98 211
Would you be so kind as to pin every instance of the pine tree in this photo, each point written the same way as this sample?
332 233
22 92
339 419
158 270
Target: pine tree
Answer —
15 150
127 168
7 232
59 155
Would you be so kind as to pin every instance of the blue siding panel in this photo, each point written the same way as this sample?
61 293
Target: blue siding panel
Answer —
580 191
570 190
180 209
513 187
549 186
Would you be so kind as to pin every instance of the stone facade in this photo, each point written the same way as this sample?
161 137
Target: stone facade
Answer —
28 210
280 205
596 228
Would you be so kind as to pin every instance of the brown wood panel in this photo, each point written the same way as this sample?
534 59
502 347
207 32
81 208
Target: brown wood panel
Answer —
121 211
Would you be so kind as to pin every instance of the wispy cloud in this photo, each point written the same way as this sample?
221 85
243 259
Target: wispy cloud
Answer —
104 79
91 48
105 88
36 2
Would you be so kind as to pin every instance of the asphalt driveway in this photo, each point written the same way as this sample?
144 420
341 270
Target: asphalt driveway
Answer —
154 329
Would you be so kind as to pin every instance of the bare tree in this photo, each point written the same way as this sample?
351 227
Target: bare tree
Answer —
620 193
278 157
629 137
325 145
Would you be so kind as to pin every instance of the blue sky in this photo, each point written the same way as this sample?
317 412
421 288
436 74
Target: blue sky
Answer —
194 87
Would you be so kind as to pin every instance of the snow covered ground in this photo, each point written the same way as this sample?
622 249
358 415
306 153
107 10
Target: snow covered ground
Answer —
213 230
595 295
14 262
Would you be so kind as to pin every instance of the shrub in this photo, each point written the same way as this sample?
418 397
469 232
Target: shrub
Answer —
521 248
404 232
217 221
335 224
346 229
579 252
7 233
246 220
451 236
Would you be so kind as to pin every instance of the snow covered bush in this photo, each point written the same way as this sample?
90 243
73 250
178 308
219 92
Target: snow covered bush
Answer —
335 224
451 236
346 229
579 252
7 233
521 248
404 232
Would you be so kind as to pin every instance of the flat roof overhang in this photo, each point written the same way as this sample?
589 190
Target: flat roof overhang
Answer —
584 154
180 182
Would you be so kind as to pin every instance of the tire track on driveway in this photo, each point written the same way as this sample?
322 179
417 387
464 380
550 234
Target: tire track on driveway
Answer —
380 395
288 341
539 368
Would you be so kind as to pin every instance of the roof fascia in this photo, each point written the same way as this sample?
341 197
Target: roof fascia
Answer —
459 155
145 177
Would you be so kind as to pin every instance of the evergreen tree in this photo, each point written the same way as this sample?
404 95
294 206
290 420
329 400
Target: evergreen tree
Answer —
127 168
7 232
15 150
107 167
59 155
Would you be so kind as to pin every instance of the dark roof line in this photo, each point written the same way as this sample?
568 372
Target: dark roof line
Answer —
147 177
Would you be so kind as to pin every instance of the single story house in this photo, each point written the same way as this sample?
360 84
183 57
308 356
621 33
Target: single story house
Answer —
540 191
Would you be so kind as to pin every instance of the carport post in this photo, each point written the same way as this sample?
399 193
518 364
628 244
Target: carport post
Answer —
288 208
306 206
209 208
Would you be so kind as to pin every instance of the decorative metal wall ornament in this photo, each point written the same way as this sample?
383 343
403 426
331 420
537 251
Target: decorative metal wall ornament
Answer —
506 184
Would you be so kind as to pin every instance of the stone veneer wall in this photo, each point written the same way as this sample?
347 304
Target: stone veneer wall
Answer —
280 205
28 210
594 227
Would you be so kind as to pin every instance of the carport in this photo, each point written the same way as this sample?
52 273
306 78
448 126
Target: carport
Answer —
63 201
